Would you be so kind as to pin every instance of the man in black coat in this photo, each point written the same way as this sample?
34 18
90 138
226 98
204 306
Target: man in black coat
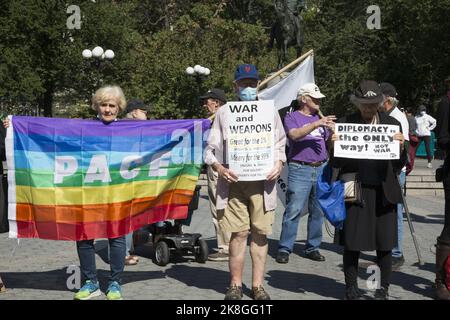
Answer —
443 241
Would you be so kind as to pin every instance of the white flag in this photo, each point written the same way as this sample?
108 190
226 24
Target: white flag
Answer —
286 90
283 93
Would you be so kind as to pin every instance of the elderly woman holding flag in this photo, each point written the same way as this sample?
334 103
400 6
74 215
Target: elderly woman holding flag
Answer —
108 102
371 222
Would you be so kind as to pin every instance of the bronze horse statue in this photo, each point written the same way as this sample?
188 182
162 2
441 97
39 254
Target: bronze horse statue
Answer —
287 30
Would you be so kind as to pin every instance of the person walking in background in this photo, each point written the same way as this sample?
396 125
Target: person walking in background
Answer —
425 124
413 140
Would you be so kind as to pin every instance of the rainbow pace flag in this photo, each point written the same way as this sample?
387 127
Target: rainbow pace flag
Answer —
73 179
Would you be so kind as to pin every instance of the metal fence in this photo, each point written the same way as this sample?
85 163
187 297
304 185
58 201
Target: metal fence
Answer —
20 110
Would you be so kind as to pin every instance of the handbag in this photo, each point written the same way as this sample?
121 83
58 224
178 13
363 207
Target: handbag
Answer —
352 188
330 196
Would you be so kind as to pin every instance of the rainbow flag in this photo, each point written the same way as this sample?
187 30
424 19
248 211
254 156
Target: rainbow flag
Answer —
72 179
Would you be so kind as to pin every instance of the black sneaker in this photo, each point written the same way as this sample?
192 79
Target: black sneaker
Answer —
397 262
353 293
381 294
282 257
315 255
234 293
258 293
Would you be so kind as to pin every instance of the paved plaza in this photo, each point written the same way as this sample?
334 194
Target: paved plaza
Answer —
37 269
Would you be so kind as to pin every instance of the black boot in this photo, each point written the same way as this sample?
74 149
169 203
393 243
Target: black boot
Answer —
442 253
352 293
382 294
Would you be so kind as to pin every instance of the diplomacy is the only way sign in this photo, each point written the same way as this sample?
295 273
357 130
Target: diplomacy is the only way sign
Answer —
360 141
250 142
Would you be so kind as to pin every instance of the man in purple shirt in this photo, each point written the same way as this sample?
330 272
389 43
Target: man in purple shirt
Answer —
308 134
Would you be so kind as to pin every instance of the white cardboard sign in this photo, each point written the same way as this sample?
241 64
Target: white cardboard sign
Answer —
367 141
250 139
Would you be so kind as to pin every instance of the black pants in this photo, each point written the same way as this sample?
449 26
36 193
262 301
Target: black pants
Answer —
384 262
427 146
445 234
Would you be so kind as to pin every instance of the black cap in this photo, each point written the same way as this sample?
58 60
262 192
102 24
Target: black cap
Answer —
215 93
368 92
134 104
388 89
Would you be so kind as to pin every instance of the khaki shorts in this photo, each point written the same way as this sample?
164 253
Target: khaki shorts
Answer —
245 209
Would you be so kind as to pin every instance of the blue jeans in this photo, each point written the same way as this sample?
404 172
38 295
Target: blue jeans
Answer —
302 181
86 254
397 252
129 243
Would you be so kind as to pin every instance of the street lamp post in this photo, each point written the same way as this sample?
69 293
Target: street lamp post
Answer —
98 57
200 73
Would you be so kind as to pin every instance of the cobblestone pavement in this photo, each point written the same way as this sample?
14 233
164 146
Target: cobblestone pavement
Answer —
37 268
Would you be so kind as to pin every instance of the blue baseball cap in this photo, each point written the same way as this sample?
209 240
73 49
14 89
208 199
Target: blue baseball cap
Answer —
246 71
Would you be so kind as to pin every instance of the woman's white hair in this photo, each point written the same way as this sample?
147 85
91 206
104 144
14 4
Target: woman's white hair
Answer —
109 93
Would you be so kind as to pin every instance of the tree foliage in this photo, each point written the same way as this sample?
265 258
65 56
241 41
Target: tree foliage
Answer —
155 40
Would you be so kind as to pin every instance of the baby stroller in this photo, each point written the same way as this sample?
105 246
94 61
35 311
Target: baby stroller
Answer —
169 238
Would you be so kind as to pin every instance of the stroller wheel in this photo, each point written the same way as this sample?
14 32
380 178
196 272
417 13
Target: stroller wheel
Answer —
162 253
201 253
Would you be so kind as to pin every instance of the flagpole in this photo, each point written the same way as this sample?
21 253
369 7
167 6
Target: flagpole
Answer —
289 66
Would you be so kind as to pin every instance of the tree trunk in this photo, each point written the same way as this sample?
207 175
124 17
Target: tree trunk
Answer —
46 101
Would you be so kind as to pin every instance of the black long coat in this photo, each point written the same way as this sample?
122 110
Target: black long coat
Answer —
373 225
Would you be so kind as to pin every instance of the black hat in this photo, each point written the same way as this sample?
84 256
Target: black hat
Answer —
368 92
215 93
388 89
134 104
422 108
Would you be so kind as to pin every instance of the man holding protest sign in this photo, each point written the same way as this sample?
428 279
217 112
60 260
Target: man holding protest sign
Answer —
371 222
390 104
307 133
246 194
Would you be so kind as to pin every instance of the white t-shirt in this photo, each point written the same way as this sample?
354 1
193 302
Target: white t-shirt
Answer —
401 117
425 124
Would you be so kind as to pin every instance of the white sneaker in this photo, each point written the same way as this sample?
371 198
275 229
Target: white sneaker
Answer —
430 166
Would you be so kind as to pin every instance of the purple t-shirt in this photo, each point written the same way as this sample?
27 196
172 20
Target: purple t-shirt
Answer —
310 148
